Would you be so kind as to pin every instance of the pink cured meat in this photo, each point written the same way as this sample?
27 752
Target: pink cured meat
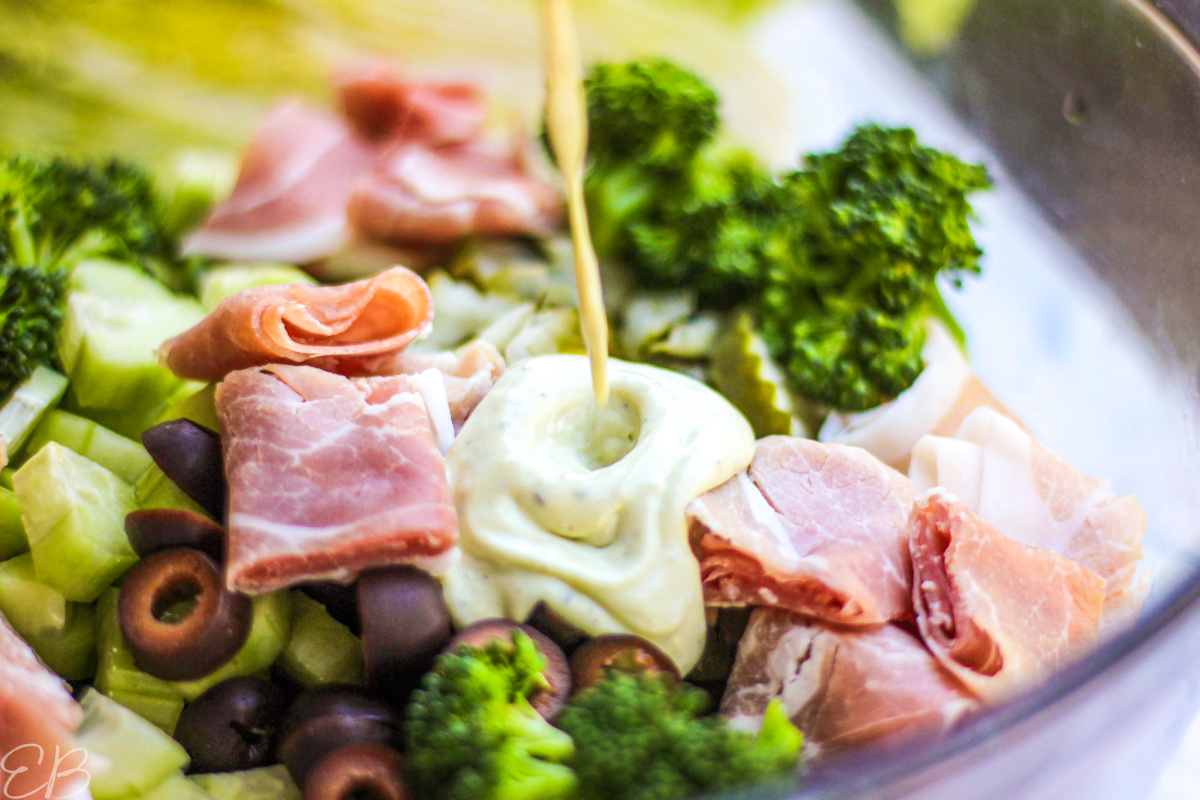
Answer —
289 202
35 709
381 104
425 196
328 476
346 328
817 529
467 373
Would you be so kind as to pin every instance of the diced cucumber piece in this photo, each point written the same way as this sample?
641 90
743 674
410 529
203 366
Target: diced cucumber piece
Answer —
176 787
118 677
28 404
6 477
322 650
196 180
74 513
200 407
124 457
61 632
269 634
112 280
264 783
127 755
228 280
12 531
155 490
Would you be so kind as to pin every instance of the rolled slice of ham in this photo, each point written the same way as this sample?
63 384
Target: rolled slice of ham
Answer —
289 202
841 687
349 328
468 374
999 614
329 476
380 103
420 195
1016 484
38 718
943 395
819 529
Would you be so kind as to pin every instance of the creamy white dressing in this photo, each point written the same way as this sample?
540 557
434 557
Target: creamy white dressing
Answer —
587 512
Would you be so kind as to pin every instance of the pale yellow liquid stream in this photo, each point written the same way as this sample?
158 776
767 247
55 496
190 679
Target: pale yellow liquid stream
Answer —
566 124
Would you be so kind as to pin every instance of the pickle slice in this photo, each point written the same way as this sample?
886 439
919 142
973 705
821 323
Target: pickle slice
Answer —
742 370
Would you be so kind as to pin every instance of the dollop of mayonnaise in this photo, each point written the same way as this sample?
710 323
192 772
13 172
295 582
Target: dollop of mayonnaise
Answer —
583 507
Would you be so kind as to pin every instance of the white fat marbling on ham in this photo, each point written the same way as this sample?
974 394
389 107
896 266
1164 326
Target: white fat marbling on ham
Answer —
814 528
1016 484
328 476
382 104
1001 615
289 202
841 687
36 711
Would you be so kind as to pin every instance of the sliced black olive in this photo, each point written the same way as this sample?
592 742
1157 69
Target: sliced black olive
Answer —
550 622
232 725
619 651
357 772
179 619
547 701
339 599
190 455
405 624
327 717
152 529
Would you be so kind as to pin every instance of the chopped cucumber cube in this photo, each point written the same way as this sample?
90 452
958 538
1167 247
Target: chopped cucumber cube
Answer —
196 181
155 490
118 677
228 280
112 280
61 632
200 407
743 371
124 457
12 531
176 787
264 783
127 755
6 477
269 634
74 513
28 404
322 650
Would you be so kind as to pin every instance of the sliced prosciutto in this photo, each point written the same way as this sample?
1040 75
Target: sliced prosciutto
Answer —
429 196
999 614
289 202
814 528
467 374
381 104
328 476
38 718
347 328
841 687
1016 484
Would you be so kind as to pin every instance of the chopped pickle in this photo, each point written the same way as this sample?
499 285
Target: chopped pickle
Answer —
225 281
692 339
269 634
462 312
74 513
199 406
546 332
650 317
62 633
117 676
23 411
124 457
519 269
155 490
264 783
742 370
321 650
13 540
127 756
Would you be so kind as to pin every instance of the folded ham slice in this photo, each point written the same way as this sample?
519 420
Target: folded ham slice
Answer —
328 476
1018 485
428 196
289 202
841 687
346 328
999 614
814 528
943 395
38 718
468 374
381 104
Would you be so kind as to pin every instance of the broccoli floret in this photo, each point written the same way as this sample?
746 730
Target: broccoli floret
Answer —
642 737
472 734
30 315
862 235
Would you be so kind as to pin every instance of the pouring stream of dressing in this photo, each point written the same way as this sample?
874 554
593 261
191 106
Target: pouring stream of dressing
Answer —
566 125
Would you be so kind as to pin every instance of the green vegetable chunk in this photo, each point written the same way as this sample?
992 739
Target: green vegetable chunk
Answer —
642 737
321 649
22 412
742 370
74 512
62 633
472 734
226 281
117 676
264 783
176 787
127 459
269 633
155 490
127 755
13 540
